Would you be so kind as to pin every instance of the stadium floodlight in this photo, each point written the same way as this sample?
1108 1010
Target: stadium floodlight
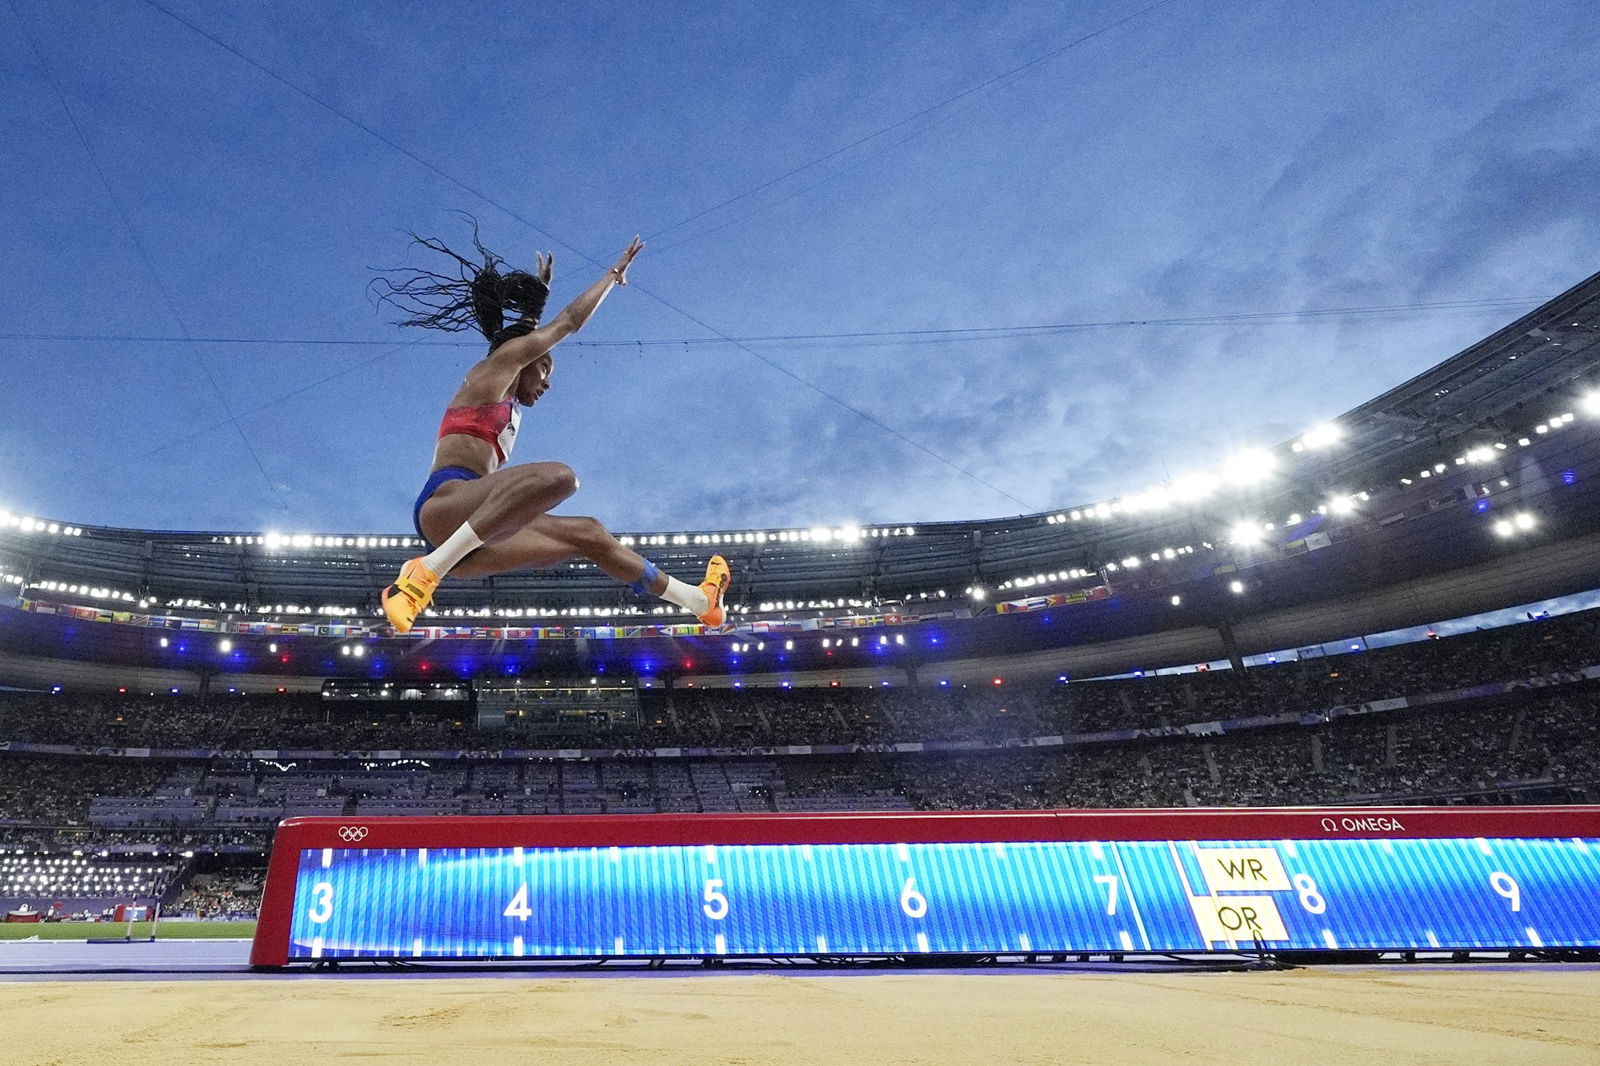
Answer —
1322 436
1177 601
977 593
1236 587
225 646
1245 533
1524 520
1342 504
1590 404
1480 454
1504 527
1249 467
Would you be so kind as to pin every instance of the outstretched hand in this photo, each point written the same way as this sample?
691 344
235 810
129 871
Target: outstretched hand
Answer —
621 269
547 267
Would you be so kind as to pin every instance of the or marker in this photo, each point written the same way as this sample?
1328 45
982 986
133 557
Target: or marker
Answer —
1288 849
316 947
805 852
422 856
711 853
1533 937
1483 845
903 852
1023 942
516 856
1329 939
1578 841
616 946
1433 941
922 942
1096 850
721 944
616 854
999 850
327 858
822 945
516 946
416 948
1127 940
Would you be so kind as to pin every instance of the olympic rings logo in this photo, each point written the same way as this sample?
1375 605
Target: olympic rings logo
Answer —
352 833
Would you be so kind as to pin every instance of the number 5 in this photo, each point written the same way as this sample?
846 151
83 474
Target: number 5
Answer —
1110 881
716 904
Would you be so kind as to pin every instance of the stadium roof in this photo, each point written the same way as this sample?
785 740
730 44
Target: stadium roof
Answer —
1408 486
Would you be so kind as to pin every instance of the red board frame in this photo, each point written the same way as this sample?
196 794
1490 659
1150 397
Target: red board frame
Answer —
271 946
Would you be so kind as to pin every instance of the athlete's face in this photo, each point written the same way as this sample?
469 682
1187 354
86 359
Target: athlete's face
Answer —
534 381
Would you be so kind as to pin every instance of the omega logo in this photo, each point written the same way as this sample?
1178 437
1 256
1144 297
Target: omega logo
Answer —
1378 824
352 833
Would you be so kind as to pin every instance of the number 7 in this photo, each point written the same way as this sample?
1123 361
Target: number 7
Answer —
1110 881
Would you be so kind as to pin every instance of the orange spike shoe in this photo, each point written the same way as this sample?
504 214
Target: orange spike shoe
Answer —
411 592
715 586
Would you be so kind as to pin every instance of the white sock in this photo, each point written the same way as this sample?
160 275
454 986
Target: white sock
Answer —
689 597
461 543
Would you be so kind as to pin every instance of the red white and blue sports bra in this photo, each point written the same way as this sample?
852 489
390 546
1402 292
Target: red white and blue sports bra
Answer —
496 423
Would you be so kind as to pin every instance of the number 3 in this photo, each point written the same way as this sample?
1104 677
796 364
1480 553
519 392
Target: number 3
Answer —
716 904
322 909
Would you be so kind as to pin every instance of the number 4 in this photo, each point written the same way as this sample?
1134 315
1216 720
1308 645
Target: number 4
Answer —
518 907
1110 881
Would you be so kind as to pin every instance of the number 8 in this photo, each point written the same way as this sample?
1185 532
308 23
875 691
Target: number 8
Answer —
1310 898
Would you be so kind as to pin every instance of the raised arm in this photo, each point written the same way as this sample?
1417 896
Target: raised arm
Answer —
517 353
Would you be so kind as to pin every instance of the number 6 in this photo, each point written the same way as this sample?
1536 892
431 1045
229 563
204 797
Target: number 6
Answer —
914 903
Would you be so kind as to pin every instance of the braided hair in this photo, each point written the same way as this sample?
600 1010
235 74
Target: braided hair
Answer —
476 295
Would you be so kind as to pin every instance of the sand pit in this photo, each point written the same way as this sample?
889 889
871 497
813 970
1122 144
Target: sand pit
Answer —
1455 1015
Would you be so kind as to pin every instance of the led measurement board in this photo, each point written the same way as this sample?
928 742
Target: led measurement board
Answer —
986 882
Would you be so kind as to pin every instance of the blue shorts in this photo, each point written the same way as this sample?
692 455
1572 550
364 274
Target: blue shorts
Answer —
435 479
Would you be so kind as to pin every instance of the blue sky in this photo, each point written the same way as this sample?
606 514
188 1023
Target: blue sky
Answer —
234 172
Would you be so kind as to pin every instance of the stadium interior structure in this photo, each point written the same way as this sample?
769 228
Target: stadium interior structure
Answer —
175 694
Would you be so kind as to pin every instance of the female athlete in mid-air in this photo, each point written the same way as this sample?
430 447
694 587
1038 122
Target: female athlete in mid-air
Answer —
484 517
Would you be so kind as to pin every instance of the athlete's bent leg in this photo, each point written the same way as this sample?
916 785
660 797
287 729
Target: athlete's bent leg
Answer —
550 539
475 512
498 523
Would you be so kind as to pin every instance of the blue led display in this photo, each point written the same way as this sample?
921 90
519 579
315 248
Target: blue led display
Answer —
809 899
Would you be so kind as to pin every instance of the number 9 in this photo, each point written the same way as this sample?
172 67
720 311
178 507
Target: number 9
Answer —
1505 885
